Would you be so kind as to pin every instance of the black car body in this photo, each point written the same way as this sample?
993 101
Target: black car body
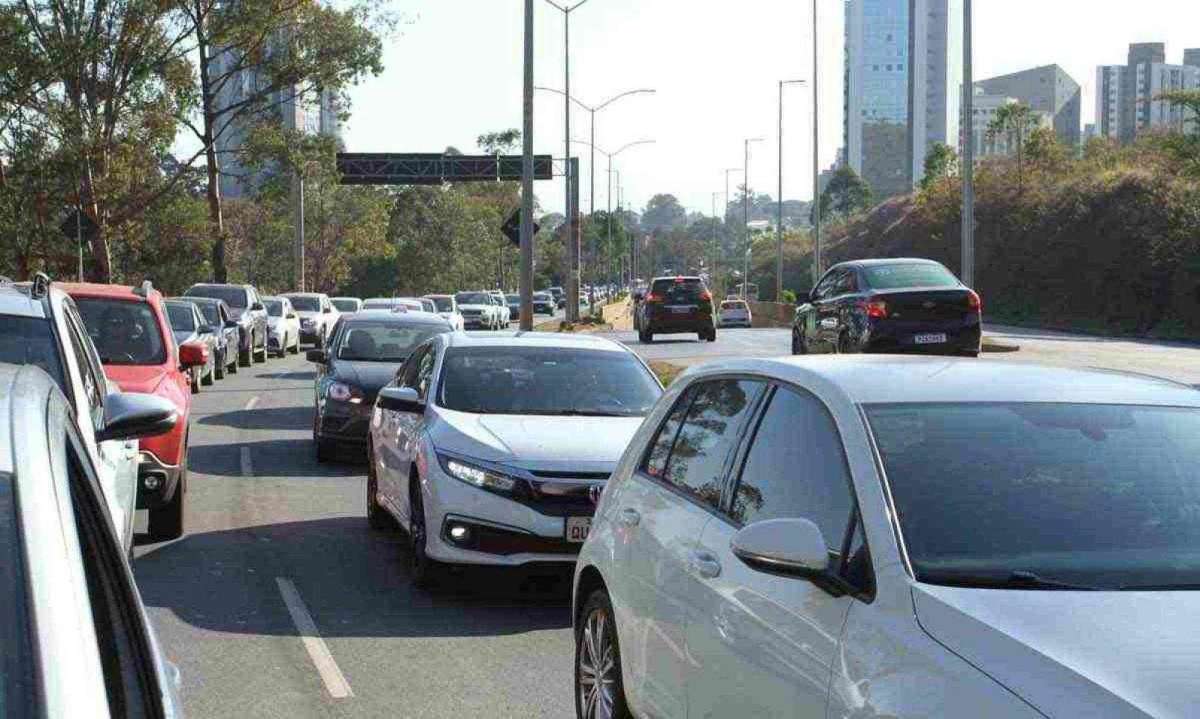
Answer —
247 310
188 325
543 303
362 356
895 306
675 305
219 317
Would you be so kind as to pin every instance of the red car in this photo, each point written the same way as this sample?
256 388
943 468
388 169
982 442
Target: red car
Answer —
130 330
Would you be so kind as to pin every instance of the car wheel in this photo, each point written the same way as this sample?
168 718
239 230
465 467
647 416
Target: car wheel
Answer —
219 367
421 567
244 357
599 689
261 355
166 522
377 516
295 348
195 381
207 379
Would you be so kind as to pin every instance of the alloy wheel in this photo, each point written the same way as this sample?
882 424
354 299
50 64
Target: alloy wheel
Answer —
599 668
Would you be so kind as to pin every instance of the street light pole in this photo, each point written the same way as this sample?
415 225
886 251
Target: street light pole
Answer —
816 150
968 154
779 200
526 282
746 215
726 208
713 268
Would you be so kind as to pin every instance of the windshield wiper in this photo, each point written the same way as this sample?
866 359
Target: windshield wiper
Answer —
1017 579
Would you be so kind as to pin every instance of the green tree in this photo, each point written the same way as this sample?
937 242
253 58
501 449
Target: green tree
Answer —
941 162
663 212
1014 121
502 142
1045 150
1189 101
845 196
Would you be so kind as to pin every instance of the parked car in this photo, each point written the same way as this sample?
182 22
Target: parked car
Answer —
413 304
362 357
783 534
514 305
559 295
283 326
188 326
346 305
130 330
249 312
218 316
503 314
543 303
734 313
675 305
40 326
77 640
891 306
486 449
477 310
427 305
317 316
448 309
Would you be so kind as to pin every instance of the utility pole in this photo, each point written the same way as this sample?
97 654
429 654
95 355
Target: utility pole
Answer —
968 154
79 237
816 150
713 269
779 200
746 216
299 271
526 283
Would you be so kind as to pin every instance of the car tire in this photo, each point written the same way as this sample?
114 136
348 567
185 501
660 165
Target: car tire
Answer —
219 367
595 639
166 522
245 358
422 569
207 379
646 338
233 366
377 516
843 344
324 451
195 382
295 348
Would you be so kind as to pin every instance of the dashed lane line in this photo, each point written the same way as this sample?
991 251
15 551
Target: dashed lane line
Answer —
318 651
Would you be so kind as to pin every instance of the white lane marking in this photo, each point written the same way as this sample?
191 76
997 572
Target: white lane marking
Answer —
247 467
252 403
335 681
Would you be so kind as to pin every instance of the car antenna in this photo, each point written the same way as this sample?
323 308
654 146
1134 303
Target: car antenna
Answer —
40 287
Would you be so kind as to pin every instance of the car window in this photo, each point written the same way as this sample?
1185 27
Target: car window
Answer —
236 297
382 341
679 290
847 283
444 304
472 298
94 384
655 461
796 468
825 288
124 332
210 312
17 688
710 428
424 372
345 305
909 274
30 340
181 317
306 304
408 373
274 308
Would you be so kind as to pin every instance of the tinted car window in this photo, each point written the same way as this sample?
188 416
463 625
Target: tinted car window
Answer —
236 297
796 468
209 310
125 333
306 304
181 316
444 304
95 385
546 381
1102 495
911 274
678 291
274 308
709 431
345 305
29 340
655 463
382 341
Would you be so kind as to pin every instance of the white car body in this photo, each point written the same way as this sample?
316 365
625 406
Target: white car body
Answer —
116 461
734 313
502 310
315 325
283 332
704 633
482 315
453 316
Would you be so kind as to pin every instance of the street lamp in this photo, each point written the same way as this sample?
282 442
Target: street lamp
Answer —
746 211
727 172
779 208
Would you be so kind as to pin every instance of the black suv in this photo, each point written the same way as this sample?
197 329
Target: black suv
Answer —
249 314
675 305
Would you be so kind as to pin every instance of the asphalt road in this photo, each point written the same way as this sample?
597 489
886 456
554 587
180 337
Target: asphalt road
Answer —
276 540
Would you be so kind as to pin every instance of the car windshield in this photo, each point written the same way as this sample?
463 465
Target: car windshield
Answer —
345 305
124 332
182 319
16 647
679 290
383 341
546 381
472 298
274 308
1104 496
209 310
29 340
444 304
541 297
908 274
235 297
304 303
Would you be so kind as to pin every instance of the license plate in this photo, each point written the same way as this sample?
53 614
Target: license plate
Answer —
578 528
680 310
930 339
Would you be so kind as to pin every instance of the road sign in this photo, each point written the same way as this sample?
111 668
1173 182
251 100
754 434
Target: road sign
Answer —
512 227
79 223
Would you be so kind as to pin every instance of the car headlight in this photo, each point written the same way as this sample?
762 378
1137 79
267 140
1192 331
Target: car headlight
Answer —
477 476
339 392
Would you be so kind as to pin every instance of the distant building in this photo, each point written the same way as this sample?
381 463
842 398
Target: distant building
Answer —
1125 94
1048 90
902 88
985 108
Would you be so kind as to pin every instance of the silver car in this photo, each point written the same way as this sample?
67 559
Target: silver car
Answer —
76 636
487 450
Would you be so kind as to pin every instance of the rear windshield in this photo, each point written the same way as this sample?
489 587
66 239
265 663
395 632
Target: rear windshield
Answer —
345 305
306 304
233 296
274 308
444 304
376 303
181 317
383 341
541 296
29 340
682 290
125 333
16 647
733 305
912 274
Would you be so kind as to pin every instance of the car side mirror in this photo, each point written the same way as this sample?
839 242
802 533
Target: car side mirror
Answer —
258 307
317 356
401 399
792 547
193 354
133 415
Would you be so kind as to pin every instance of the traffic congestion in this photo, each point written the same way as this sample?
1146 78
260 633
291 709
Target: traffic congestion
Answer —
902 529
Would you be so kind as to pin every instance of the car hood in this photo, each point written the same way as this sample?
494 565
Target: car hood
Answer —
586 444
1077 654
370 377
137 378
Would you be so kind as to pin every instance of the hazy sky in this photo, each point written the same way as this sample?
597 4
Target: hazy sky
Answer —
454 72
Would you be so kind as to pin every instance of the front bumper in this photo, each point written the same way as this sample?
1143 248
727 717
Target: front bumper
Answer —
164 478
476 321
344 423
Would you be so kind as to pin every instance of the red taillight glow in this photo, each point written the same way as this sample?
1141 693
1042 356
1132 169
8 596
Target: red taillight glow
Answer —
653 298
706 296
973 301
876 310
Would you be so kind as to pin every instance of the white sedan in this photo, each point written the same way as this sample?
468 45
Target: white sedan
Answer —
897 537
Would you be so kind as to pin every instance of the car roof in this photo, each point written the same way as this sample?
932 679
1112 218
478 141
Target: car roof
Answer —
889 261
534 339
346 297
883 379
303 294
223 284
92 289
400 318
201 300
16 303
15 406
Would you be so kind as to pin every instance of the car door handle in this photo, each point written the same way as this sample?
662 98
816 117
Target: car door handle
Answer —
705 564
630 517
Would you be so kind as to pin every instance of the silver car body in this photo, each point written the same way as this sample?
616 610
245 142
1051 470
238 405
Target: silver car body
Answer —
69 674
316 325
703 633
283 332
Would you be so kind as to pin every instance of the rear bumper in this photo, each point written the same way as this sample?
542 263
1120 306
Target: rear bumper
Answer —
898 338
164 478
669 325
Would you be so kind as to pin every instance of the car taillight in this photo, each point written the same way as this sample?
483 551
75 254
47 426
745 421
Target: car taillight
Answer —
973 302
876 309
706 296
653 298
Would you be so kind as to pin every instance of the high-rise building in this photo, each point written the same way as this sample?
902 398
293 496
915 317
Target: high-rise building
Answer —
903 84
1047 89
1126 95
986 106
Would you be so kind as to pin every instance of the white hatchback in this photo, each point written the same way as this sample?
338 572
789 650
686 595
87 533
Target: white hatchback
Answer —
734 313
897 537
